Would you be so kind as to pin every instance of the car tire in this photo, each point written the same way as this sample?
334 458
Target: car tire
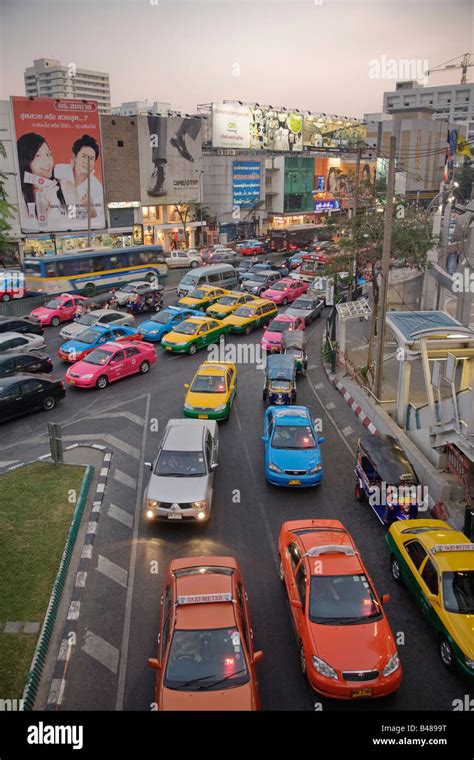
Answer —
192 350
48 403
144 367
194 264
6 297
150 277
359 493
55 321
446 653
247 330
101 383
395 569
89 290
284 302
302 660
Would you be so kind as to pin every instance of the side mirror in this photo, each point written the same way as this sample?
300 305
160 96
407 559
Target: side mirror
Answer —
265 438
149 464
296 604
321 439
186 385
257 657
385 599
154 663
214 466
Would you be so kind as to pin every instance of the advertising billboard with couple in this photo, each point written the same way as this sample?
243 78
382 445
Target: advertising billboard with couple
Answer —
58 145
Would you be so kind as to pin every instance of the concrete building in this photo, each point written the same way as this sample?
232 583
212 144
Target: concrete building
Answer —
8 169
141 108
48 78
454 102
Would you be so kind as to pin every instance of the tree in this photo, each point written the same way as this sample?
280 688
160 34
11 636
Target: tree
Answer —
183 210
6 211
465 177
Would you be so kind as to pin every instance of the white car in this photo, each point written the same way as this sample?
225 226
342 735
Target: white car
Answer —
99 317
12 341
123 294
190 258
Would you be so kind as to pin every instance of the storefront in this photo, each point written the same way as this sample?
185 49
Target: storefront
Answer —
164 225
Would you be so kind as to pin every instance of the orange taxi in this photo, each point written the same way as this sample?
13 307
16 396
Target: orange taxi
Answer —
347 648
205 658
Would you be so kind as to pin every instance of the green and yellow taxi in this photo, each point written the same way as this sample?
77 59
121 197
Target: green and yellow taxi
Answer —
228 304
193 334
202 297
257 313
436 563
212 391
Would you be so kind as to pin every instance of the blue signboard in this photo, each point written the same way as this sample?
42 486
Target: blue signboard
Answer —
245 183
331 205
320 184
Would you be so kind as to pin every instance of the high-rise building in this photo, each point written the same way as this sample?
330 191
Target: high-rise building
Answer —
141 108
48 78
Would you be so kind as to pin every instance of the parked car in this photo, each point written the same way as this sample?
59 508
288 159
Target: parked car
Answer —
306 307
100 317
13 341
190 258
111 362
181 484
259 282
20 325
62 308
19 362
20 394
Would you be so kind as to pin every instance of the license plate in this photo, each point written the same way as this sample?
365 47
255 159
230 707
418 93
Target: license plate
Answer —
168 348
175 516
294 483
357 693
203 416
73 382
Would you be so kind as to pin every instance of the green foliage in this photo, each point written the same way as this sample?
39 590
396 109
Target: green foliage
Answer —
465 177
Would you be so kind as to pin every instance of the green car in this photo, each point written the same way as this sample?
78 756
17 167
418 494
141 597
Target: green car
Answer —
194 333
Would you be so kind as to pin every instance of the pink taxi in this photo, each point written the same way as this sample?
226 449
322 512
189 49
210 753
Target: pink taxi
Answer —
110 362
285 291
60 309
271 339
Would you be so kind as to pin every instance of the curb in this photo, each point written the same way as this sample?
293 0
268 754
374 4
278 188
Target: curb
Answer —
358 411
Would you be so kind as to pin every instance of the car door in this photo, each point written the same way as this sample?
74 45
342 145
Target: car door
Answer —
166 621
429 584
67 310
202 336
244 626
214 331
117 366
14 343
290 562
28 363
414 556
32 392
7 366
10 401
231 383
132 361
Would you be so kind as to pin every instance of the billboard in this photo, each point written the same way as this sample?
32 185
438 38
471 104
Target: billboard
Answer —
239 126
230 125
245 182
170 159
339 178
330 132
58 147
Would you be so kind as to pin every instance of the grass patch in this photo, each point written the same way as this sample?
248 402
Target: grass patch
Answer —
35 516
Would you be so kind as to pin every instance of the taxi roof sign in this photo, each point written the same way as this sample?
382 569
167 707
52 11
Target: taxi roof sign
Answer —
453 548
315 551
204 598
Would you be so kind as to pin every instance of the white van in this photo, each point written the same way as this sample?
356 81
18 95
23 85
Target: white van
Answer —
218 275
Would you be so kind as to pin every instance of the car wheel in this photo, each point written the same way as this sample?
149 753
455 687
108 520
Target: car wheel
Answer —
284 302
395 569
359 493
144 367
446 653
192 349
48 403
194 264
302 660
55 321
89 290
247 330
101 383
151 277
6 297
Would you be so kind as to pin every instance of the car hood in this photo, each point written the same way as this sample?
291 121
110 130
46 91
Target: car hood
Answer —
367 646
188 301
461 627
74 329
235 698
299 312
234 319
148 325
43 313
222 310
270 293
177 338
82 368
273 337
249 283
206 400
300 459
75 345
180 490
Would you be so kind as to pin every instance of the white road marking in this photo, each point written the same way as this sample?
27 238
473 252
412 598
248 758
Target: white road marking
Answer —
92 527
128 415
125 479
8 463
331 405
65 650
81 578
112 571
102 651
56 692
104 472
117 513
111 440
331 418
319 386
74 610
86 552
347 431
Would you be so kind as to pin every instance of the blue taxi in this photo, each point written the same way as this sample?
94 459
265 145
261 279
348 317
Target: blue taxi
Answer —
164 322
91 337
292 453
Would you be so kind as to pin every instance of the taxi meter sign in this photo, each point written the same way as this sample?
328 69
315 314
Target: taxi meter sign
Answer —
453 548
204 598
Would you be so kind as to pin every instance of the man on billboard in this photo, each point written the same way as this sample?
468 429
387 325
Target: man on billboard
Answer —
73 181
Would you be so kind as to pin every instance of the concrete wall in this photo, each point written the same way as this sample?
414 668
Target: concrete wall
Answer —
121 164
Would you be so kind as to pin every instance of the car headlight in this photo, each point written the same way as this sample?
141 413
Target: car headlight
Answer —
152 503
87 377
392 665
323 668
187 405
318 468
255 290
201 505
274 468
153 332
220 408
469 663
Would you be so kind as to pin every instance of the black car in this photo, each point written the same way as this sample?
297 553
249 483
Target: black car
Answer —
34 361
20 394
20 325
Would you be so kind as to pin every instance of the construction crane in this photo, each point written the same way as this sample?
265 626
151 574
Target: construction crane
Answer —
465 62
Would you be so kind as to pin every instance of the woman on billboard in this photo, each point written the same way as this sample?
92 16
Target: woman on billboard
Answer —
44 200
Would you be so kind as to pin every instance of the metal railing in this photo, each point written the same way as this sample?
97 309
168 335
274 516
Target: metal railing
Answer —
459 466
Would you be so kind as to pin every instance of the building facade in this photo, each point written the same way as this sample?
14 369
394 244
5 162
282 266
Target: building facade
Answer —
49 78
141 108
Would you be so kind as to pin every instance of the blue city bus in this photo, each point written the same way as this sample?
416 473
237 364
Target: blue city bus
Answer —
90 271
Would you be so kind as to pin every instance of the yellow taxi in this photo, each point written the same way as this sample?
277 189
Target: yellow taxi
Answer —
192 334
212 391
228 304
257 313
202 297
436 563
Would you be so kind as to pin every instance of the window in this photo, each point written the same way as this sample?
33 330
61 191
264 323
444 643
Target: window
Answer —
119 357
430 577
131 352
213 325
50 269
202 330
295 555
119 143
214 277
21 361
9 364
107 319
97 263
68 304
416 553
31 386
12 392
300 579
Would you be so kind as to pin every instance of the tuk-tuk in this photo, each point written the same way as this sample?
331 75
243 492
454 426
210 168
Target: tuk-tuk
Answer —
294 344
280 380
147 300
100 301
385 477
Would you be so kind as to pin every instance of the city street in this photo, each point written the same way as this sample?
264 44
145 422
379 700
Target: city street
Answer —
122 608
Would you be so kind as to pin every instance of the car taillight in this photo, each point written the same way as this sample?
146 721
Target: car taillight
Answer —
48 360
61 384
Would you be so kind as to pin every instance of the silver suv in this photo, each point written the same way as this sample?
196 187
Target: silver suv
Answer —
180 488
256 282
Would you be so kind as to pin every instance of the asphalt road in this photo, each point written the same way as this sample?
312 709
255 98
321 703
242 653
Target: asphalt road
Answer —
125 614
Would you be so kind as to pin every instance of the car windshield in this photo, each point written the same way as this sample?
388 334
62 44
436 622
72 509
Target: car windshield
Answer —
190 279
279 286
259 277
209 384
458 591
302 303
180 464
88 336
162 318
243 311
293 437
187 328
54 304
197 293
280 385
342 600
227 301
279 325
87 319
206 660
99 357
128 289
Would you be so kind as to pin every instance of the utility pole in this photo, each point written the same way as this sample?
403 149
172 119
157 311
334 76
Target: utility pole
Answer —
88 201
387 240
353 278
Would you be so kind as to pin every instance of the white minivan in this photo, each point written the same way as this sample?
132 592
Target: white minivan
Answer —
218 275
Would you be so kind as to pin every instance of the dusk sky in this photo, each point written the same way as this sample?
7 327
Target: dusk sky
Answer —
294 53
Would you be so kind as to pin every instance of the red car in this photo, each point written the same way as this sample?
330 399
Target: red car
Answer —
285 291
110 362
347 648
272 337
250 247
60 309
